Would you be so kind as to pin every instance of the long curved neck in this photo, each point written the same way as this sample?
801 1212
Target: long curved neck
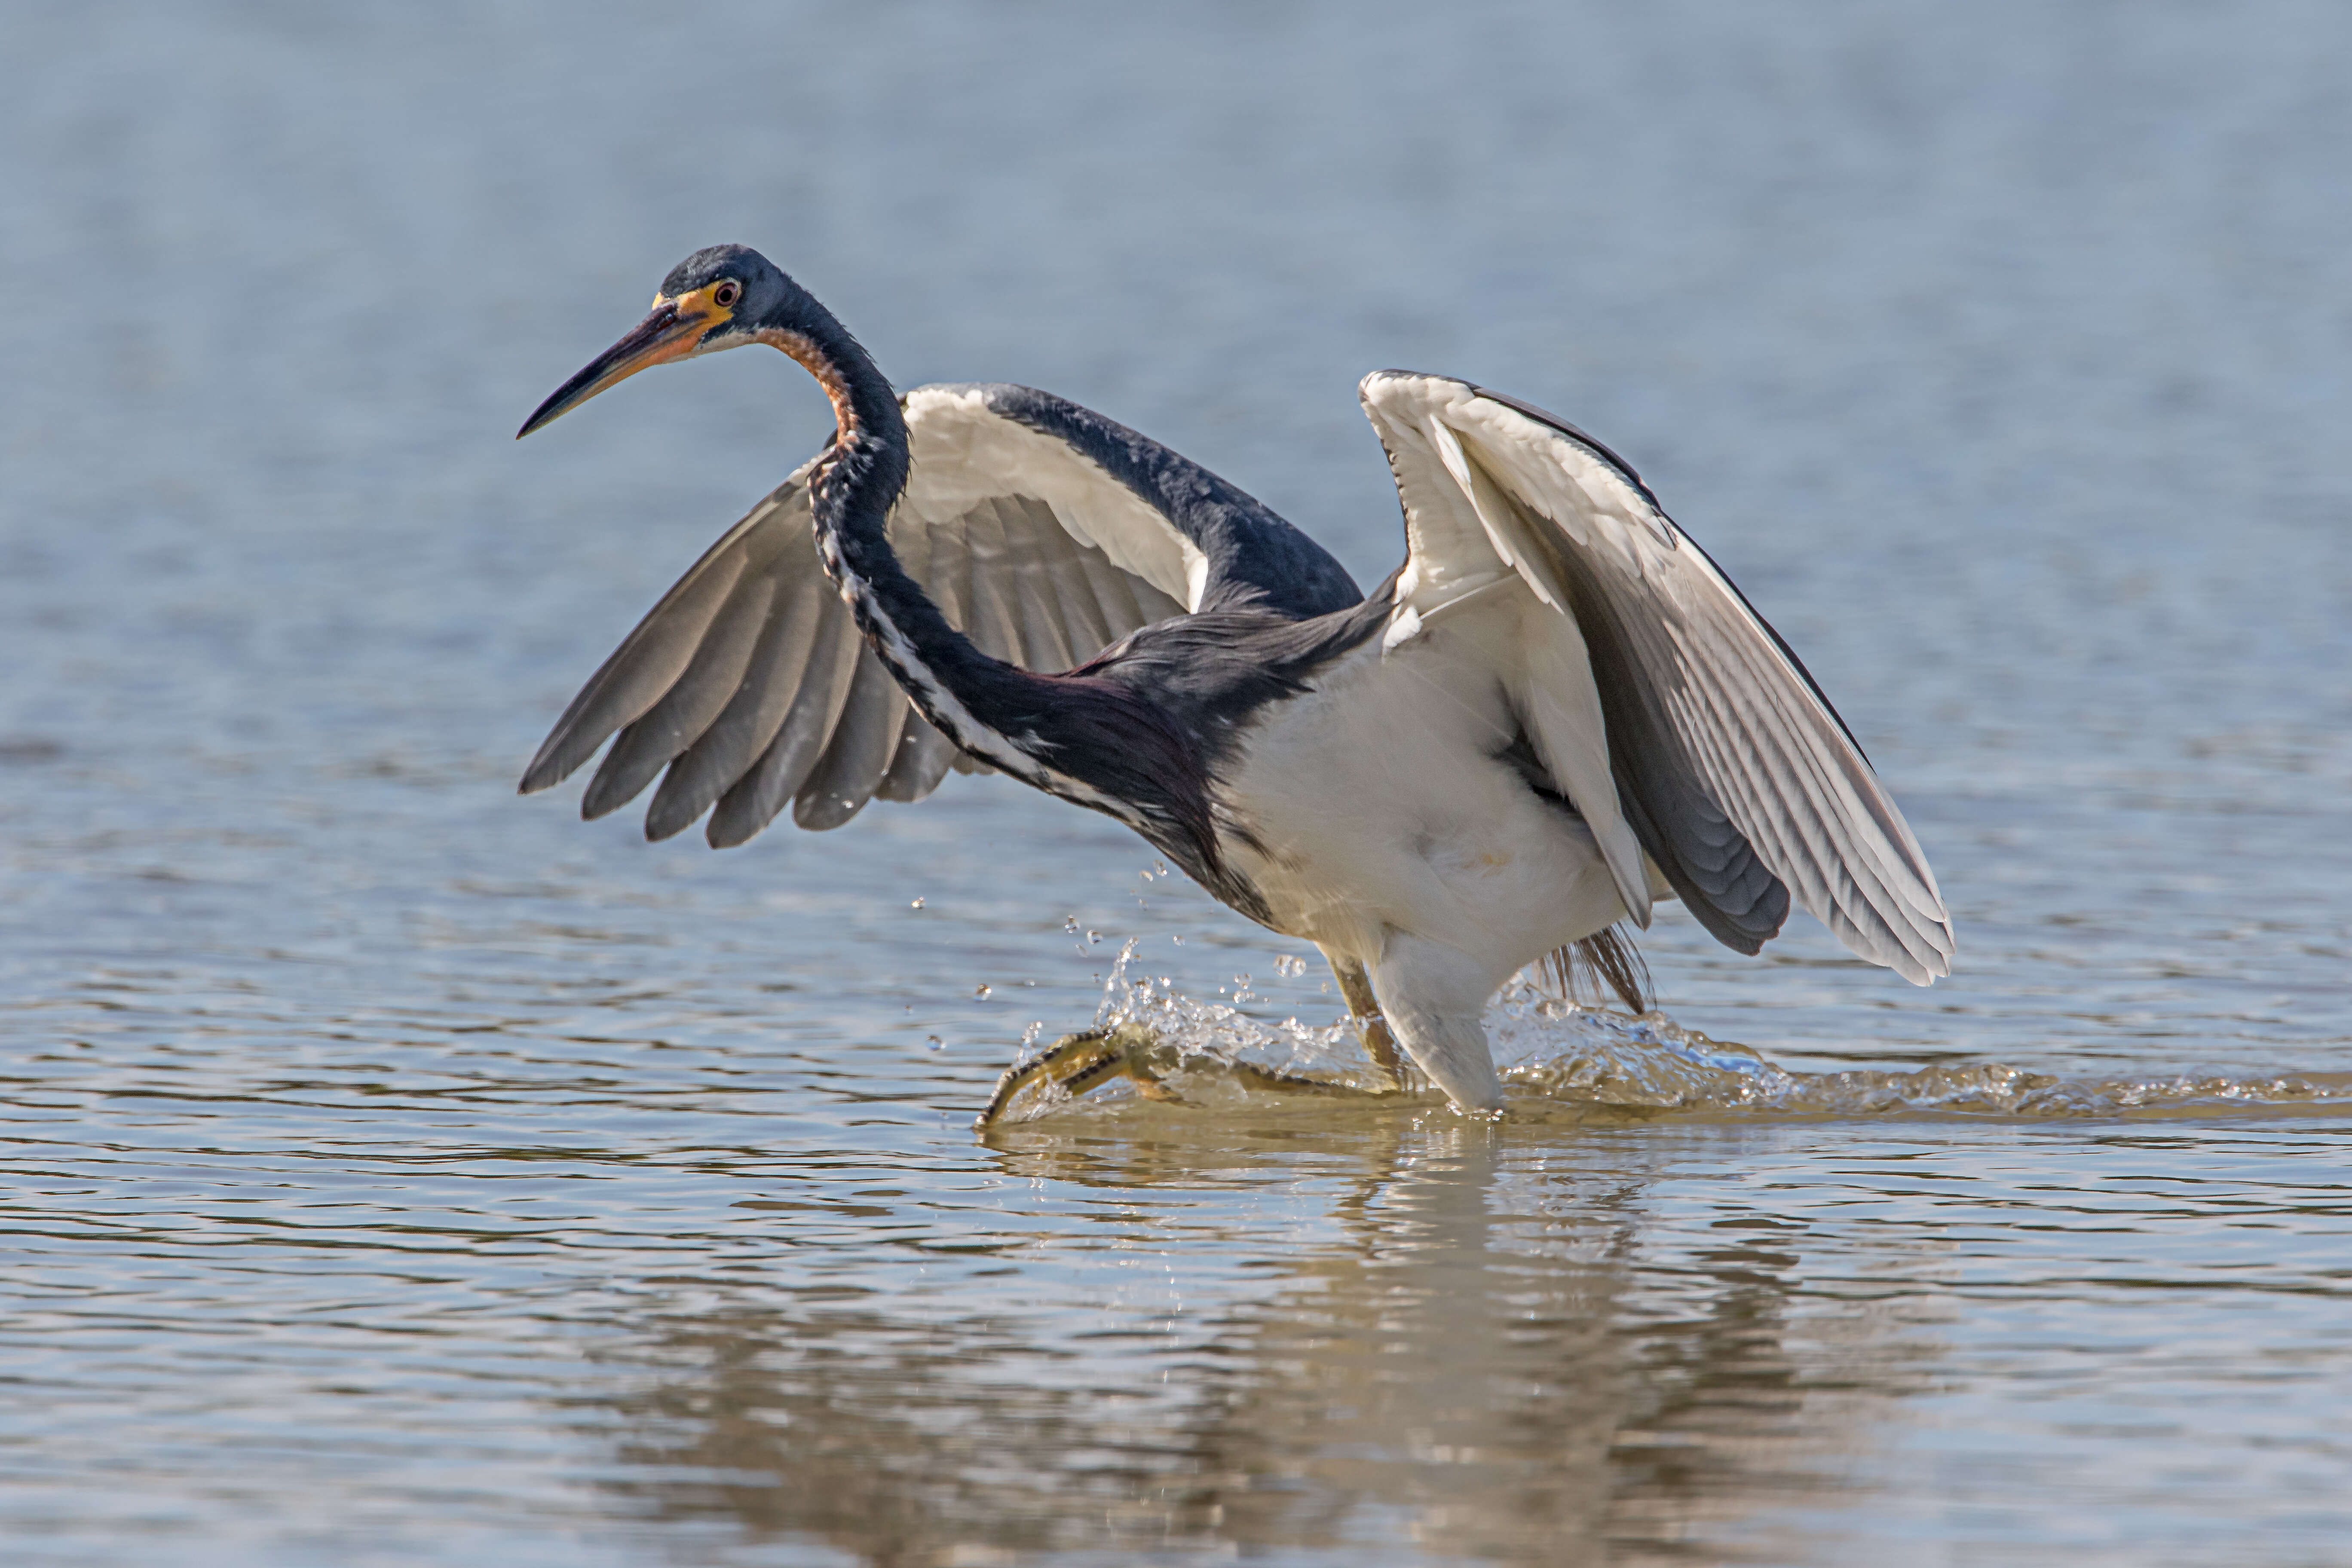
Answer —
1087 740
857 482
977 702
861 476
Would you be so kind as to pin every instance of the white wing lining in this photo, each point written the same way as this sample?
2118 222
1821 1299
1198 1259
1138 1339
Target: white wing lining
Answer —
965 454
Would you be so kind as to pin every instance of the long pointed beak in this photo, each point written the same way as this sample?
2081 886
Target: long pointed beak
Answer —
667 334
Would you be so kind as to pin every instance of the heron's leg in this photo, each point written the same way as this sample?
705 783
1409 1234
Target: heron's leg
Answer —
1356 990
1079 1063
1084 1061
1432 995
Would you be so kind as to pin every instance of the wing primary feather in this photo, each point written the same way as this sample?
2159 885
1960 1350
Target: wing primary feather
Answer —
754 800
1804 731
637 674
1710 862
864 736
1743 930
923 759
1730 891
750 719
689 707
653 657
1770 741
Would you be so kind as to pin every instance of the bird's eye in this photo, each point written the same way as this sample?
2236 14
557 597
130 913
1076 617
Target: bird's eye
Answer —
726 294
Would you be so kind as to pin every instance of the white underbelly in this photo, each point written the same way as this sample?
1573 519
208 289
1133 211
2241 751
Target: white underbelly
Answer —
1381 806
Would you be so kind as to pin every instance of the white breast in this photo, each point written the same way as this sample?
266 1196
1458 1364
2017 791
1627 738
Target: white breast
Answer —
1381 808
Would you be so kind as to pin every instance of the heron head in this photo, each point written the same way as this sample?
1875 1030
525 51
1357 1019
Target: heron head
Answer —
719 297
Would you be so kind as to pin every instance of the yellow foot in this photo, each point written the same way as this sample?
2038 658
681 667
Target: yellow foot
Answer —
1079 1063
1084 1061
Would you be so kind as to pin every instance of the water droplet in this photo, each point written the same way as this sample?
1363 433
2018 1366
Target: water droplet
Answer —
1071 925
981 993
1093 937
936 1043
916 905
1160 867
1177 940
1032 1033
1290 966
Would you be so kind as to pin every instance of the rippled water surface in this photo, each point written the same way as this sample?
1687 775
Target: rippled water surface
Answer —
396 1171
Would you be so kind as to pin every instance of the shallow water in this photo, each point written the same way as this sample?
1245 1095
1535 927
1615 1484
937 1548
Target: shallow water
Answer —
398 1171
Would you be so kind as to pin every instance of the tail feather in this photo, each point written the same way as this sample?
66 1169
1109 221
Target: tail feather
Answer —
1607 956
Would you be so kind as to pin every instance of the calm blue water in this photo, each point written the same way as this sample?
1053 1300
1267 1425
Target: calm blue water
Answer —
396 1171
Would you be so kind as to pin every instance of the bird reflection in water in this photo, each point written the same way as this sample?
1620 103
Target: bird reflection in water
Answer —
1493 1359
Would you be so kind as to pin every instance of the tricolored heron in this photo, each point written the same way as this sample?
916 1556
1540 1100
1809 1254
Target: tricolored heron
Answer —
1556 713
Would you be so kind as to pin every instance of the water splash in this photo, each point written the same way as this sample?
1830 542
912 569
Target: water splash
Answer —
1217 1034
1571 1054
1562 1057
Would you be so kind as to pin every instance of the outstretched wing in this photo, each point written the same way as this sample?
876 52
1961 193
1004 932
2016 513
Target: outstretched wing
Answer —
1044 532
1676 720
